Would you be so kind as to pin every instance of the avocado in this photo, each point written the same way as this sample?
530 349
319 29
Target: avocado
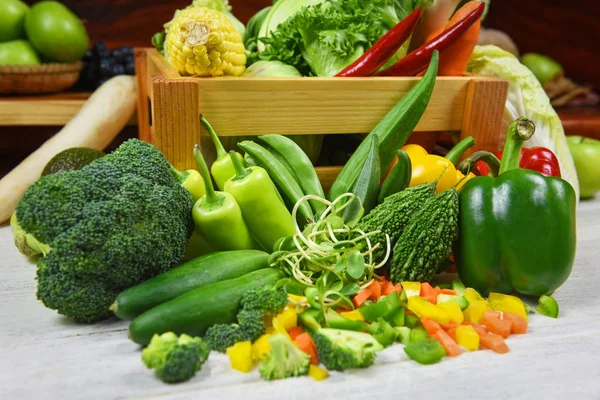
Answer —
71 159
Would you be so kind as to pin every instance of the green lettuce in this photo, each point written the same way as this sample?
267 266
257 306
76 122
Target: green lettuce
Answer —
324 38
526 98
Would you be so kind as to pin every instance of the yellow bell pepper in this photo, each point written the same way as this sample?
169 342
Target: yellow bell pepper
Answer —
288 318
423 308
240 356
472 295
508 303
317 373
354 315
411 288
261 348
475 310
467 337
453 310
278 327
429 167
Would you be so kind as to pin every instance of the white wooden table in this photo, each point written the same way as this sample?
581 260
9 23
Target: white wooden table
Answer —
45 356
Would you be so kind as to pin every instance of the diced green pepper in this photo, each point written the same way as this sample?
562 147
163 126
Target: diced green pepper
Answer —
411 321
425 351
547 306
397 317
383 332
336 321
402 334
458 287
311 319
376 310
417 334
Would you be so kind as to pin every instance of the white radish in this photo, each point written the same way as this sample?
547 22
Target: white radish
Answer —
101 118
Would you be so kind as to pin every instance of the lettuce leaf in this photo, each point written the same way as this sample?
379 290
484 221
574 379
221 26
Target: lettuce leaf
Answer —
323 38
526 98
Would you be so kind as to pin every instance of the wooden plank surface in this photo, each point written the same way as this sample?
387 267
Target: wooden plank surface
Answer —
56 109
46 356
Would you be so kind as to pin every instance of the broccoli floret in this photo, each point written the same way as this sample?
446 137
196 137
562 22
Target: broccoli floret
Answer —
175 359
340 349
284 360
256 304
116 222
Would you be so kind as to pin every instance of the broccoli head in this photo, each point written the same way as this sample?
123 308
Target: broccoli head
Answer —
256 304
116 222
175 359
341 349
284 360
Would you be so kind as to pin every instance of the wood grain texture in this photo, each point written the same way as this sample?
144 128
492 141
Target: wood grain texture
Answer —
484 107
55 109
47 356
143 100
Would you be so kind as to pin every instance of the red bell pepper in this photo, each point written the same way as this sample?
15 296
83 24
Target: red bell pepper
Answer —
384 48
417 60
538 159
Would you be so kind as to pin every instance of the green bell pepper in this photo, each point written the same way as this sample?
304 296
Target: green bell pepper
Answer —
517 230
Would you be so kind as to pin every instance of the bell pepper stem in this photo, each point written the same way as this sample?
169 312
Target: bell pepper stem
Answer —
240 171
519 131
457 151
211 195
178 175
490 159
221 152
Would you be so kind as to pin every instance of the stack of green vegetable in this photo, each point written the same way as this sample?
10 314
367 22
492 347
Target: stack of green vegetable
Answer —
48 31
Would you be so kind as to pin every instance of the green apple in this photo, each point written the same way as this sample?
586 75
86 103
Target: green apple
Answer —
18 52
586 153
544 68
12 19
55 32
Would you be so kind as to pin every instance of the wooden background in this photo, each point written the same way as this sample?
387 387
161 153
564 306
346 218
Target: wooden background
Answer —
566 30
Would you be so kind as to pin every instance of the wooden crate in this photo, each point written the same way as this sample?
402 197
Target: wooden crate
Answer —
169 107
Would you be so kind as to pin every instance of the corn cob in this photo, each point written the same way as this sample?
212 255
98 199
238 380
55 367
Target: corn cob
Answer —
204 42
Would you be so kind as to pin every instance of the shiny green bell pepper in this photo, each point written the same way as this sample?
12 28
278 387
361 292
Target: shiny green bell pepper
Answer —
517 230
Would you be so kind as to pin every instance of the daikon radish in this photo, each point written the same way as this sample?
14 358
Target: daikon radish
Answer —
99 121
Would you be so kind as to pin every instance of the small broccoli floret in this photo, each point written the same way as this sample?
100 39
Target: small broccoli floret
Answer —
256 304
116 222
285 359
175 359
340 349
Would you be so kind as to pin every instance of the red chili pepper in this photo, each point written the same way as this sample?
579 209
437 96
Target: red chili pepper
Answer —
538 159
417 60
384 48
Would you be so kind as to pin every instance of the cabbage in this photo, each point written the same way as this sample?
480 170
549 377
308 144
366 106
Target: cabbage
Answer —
270 68
526 98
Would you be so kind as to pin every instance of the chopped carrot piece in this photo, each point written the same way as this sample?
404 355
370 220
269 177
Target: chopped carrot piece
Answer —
398 288
478 328
294 332
452 333
428 293
493 314
519 324
430 325
493 342
496 325
437 290
306 344
375 289
449 291
361 297
386 288
449 325
452 349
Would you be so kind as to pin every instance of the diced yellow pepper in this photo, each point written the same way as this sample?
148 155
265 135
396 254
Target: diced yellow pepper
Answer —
288 318
412 288
472 295
278 327
423 308
453 310
475 310
295 298
508 303
317 373
240 356
261 348
467 337
354 315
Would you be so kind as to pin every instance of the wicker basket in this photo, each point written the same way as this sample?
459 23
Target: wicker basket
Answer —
36 79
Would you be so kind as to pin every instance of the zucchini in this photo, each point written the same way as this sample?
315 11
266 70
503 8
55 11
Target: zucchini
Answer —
211 268
194 312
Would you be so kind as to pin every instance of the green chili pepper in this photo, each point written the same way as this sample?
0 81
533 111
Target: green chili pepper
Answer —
281 176
267 217
222 169
399 177
425 351
300 165
218 216
191 180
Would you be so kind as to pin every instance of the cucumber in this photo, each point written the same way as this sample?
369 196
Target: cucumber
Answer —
210 268
194 312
